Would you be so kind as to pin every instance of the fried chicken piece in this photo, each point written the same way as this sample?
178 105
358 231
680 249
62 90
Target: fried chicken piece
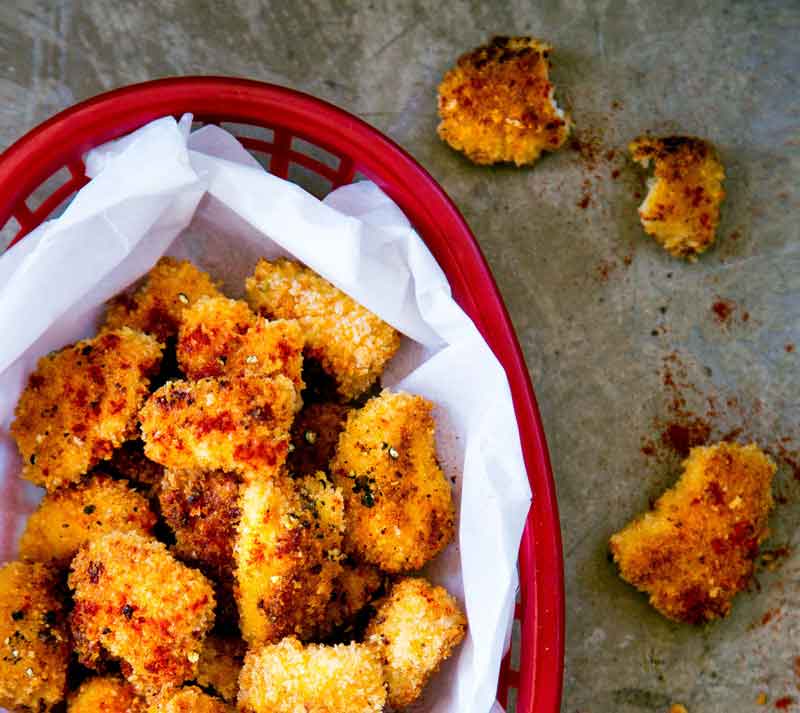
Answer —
287 556
220 663
71 516
187 700
351 343
34 643
497 103
315 433
239 425
398 504
681 210
696 548
81 403
157 307
415 628
130 463
105 694
288 677
352 591
136 603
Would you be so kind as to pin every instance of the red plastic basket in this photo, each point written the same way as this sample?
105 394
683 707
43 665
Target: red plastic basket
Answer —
533 674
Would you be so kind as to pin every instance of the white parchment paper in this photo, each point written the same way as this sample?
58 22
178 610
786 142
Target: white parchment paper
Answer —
202 196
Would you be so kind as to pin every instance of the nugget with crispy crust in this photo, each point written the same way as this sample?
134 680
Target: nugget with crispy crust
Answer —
497 103
415 628
130 462
696 548
239 425
288 677
81 403
398 505
681 210
34 643
220 663
287 556
187 700
351 343
315 433
71 516
134 602
157 307
105 694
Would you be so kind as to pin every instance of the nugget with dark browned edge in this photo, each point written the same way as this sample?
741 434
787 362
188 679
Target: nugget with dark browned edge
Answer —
81 403
497 103
135 603
220 663
105 694
34 643
695 550
189 699
398 504
315 433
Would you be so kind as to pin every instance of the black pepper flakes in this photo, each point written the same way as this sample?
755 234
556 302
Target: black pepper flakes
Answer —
18 615
89 509
127 611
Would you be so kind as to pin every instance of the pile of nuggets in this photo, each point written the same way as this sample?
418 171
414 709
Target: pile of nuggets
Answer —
234 512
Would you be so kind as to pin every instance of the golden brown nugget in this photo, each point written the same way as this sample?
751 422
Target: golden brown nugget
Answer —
287 556
239 425
157 307
81 403
136 603
352 591
695 550
220 664
415 629
187 700
398 504
351 343
681 210
130 462
288 677
71 516
105 694
497 103
315 433
34 643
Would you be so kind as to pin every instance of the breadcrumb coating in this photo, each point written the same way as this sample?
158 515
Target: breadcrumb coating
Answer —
71 516
240 425
398 504
287 556
157 307
187 700
136 603
220 663
352 591
695 550
105 694
288 677
497 103
130 462
415 628
34 643
315 433
350 342
81 403
681 210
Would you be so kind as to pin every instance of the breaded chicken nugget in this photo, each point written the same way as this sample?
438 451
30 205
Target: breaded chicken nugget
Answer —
34 643
71 516
315 433
352 591
681 210
136 603
497 103
129 462
351 343
415 629
288 677
239 425
158 305
187 700
105 694
81 403
695 550
287 556
398 504
220 663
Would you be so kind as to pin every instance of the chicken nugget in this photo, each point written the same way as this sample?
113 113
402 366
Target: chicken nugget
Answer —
71 516
130 463
681 209
351 343
220 663
315 433
352 591
695 550
157 307
288 677
189 699
105 694
497 103
398 504
81 403
287 556
34 642
239 425
134 602
415 629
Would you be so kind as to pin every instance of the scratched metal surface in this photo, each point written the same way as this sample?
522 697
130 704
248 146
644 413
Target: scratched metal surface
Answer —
597 306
